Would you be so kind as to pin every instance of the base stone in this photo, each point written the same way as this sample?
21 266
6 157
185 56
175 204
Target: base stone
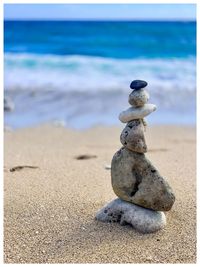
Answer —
142 219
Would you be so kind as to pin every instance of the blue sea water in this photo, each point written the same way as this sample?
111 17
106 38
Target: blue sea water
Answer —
79 72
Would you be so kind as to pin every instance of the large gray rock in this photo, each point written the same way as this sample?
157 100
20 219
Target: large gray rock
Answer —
136 180
143 220
132 137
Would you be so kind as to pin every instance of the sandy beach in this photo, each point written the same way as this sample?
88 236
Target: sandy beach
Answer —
51 200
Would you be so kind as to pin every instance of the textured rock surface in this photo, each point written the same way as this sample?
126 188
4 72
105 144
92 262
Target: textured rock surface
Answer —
132 137
138 98
143 220
136 180
134 113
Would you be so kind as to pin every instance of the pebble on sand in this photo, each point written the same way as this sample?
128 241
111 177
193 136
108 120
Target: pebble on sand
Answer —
141 219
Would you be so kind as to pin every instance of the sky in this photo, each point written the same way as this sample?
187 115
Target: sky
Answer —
101 11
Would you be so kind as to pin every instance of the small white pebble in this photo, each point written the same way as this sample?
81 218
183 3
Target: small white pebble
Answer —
107 167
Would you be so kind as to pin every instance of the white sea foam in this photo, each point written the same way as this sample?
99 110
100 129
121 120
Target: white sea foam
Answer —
44 72
83 90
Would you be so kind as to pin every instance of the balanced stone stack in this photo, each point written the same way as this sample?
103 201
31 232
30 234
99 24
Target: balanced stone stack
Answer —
143 194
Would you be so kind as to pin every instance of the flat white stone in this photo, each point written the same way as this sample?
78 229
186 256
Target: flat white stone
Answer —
134 113
142 220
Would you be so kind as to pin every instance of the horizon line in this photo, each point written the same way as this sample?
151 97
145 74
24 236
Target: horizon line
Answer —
101 20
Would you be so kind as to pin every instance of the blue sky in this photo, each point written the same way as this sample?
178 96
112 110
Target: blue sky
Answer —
101 11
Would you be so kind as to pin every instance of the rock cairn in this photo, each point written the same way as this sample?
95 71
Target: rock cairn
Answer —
143 194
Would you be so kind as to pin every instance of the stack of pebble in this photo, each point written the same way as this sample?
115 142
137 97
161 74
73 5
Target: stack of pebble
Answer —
143 193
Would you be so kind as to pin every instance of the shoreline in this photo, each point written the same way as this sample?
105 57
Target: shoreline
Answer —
50 203
119 125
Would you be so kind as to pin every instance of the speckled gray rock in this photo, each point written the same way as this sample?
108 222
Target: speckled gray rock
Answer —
134 113
136 180
132 137
143 220
138 98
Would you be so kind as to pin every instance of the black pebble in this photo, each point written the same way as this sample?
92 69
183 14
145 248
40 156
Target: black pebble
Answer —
138 84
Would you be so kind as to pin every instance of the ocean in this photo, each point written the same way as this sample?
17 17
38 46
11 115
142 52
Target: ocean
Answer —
77 73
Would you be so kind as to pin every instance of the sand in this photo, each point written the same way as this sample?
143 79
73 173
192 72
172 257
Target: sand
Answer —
49 211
